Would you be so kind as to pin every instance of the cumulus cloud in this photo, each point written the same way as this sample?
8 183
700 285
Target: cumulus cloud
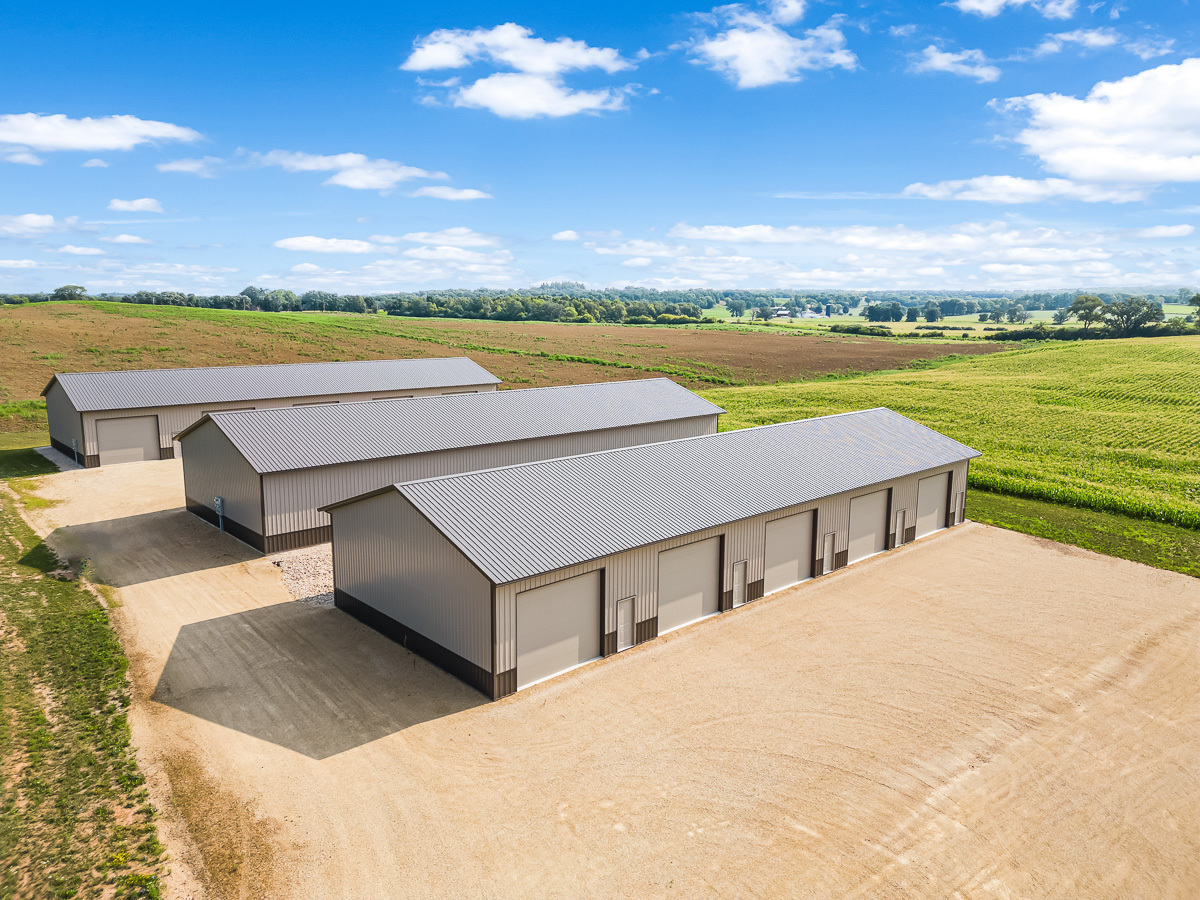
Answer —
311 244
967 63
638 262
24 158
535 88
1103 38
95 163
1012 189
19 264
59 132
1142 129
204 167
753 48
34 224
638 248
1051 9
79 251
458 236
445 192
1166 231
567 235
351 170
126 239
142 204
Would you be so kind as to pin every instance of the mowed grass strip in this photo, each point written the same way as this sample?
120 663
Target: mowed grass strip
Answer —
74 815
1109 425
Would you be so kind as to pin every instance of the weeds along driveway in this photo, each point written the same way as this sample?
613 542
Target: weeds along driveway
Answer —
980 712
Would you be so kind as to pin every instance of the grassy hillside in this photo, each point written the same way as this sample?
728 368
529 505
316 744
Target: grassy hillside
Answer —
1106 425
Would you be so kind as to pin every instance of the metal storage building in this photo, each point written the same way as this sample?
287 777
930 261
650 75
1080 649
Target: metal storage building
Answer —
101 418
509 576
273 469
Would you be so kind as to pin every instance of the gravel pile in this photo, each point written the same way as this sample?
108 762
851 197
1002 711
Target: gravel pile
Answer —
307 573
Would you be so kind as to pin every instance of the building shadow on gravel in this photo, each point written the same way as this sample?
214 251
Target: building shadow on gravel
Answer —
150 546
311 679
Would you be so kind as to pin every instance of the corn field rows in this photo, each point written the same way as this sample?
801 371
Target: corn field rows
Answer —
1109 425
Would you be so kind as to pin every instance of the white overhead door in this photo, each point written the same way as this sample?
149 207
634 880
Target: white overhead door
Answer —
932 496
558 627
688 583
789 551
131 439
868 525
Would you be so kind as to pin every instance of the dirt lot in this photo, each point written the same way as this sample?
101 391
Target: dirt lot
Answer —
42 339
979 714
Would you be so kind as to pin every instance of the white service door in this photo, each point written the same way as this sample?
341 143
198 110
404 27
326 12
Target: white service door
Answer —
625 623
689 583
558 627
789 551
126 440
932 495
868 525
740 586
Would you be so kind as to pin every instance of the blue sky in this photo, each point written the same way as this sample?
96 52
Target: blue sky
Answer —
816 145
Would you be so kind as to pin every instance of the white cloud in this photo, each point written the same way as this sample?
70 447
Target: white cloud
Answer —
967 63
126 239
351 170
19 264
638 248
755 50
1103 38
80 251
638 262
143 204
459 255
34 224
1051 9
308 269
95 163
458 236
205 167
1144 128
24 157
311 244
1166 231
58 132
509 45
903 31
535 88
1012 189
444 192
567 235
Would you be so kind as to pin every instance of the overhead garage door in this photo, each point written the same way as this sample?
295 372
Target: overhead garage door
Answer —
789 551
688 583
868 525
558 627
932 496
127 440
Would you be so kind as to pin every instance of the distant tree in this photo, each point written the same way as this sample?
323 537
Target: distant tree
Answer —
1061 315
1018 314
736 307
932 312
1088 309
69 292
765 312
1195 301
354 304
1126 315
912 314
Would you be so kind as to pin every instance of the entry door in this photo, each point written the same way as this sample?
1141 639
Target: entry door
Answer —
558 627
868 525
739 583
827 554
688 583
788 551
131 439
901 521
933 494
625 623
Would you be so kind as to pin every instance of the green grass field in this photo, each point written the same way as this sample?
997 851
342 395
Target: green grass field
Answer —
1104 425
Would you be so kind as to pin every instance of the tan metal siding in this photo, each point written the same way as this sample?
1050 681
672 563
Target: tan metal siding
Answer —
291 499
64 420
388 556
174 419
213 468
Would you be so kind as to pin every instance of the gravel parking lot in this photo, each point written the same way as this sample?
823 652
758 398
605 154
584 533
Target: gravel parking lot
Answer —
978 714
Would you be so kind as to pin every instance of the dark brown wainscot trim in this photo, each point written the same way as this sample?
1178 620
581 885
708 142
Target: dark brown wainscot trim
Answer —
294 540
166 452
609 645
910 534
236 529
646 630
754 590
841 559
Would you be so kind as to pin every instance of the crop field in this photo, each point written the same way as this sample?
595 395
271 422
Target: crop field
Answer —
42 339
1107 425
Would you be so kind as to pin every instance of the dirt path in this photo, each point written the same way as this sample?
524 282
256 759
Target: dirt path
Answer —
980 714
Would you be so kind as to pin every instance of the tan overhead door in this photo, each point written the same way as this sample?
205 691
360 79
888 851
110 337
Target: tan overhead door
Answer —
558 627
688 583
932 497
868 525
789 551
131 439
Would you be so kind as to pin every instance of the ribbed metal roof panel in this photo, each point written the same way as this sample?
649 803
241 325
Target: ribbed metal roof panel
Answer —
525 520
96 391
278 440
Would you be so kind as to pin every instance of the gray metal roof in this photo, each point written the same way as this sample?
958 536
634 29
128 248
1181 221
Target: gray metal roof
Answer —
525 520
96 391
280 440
